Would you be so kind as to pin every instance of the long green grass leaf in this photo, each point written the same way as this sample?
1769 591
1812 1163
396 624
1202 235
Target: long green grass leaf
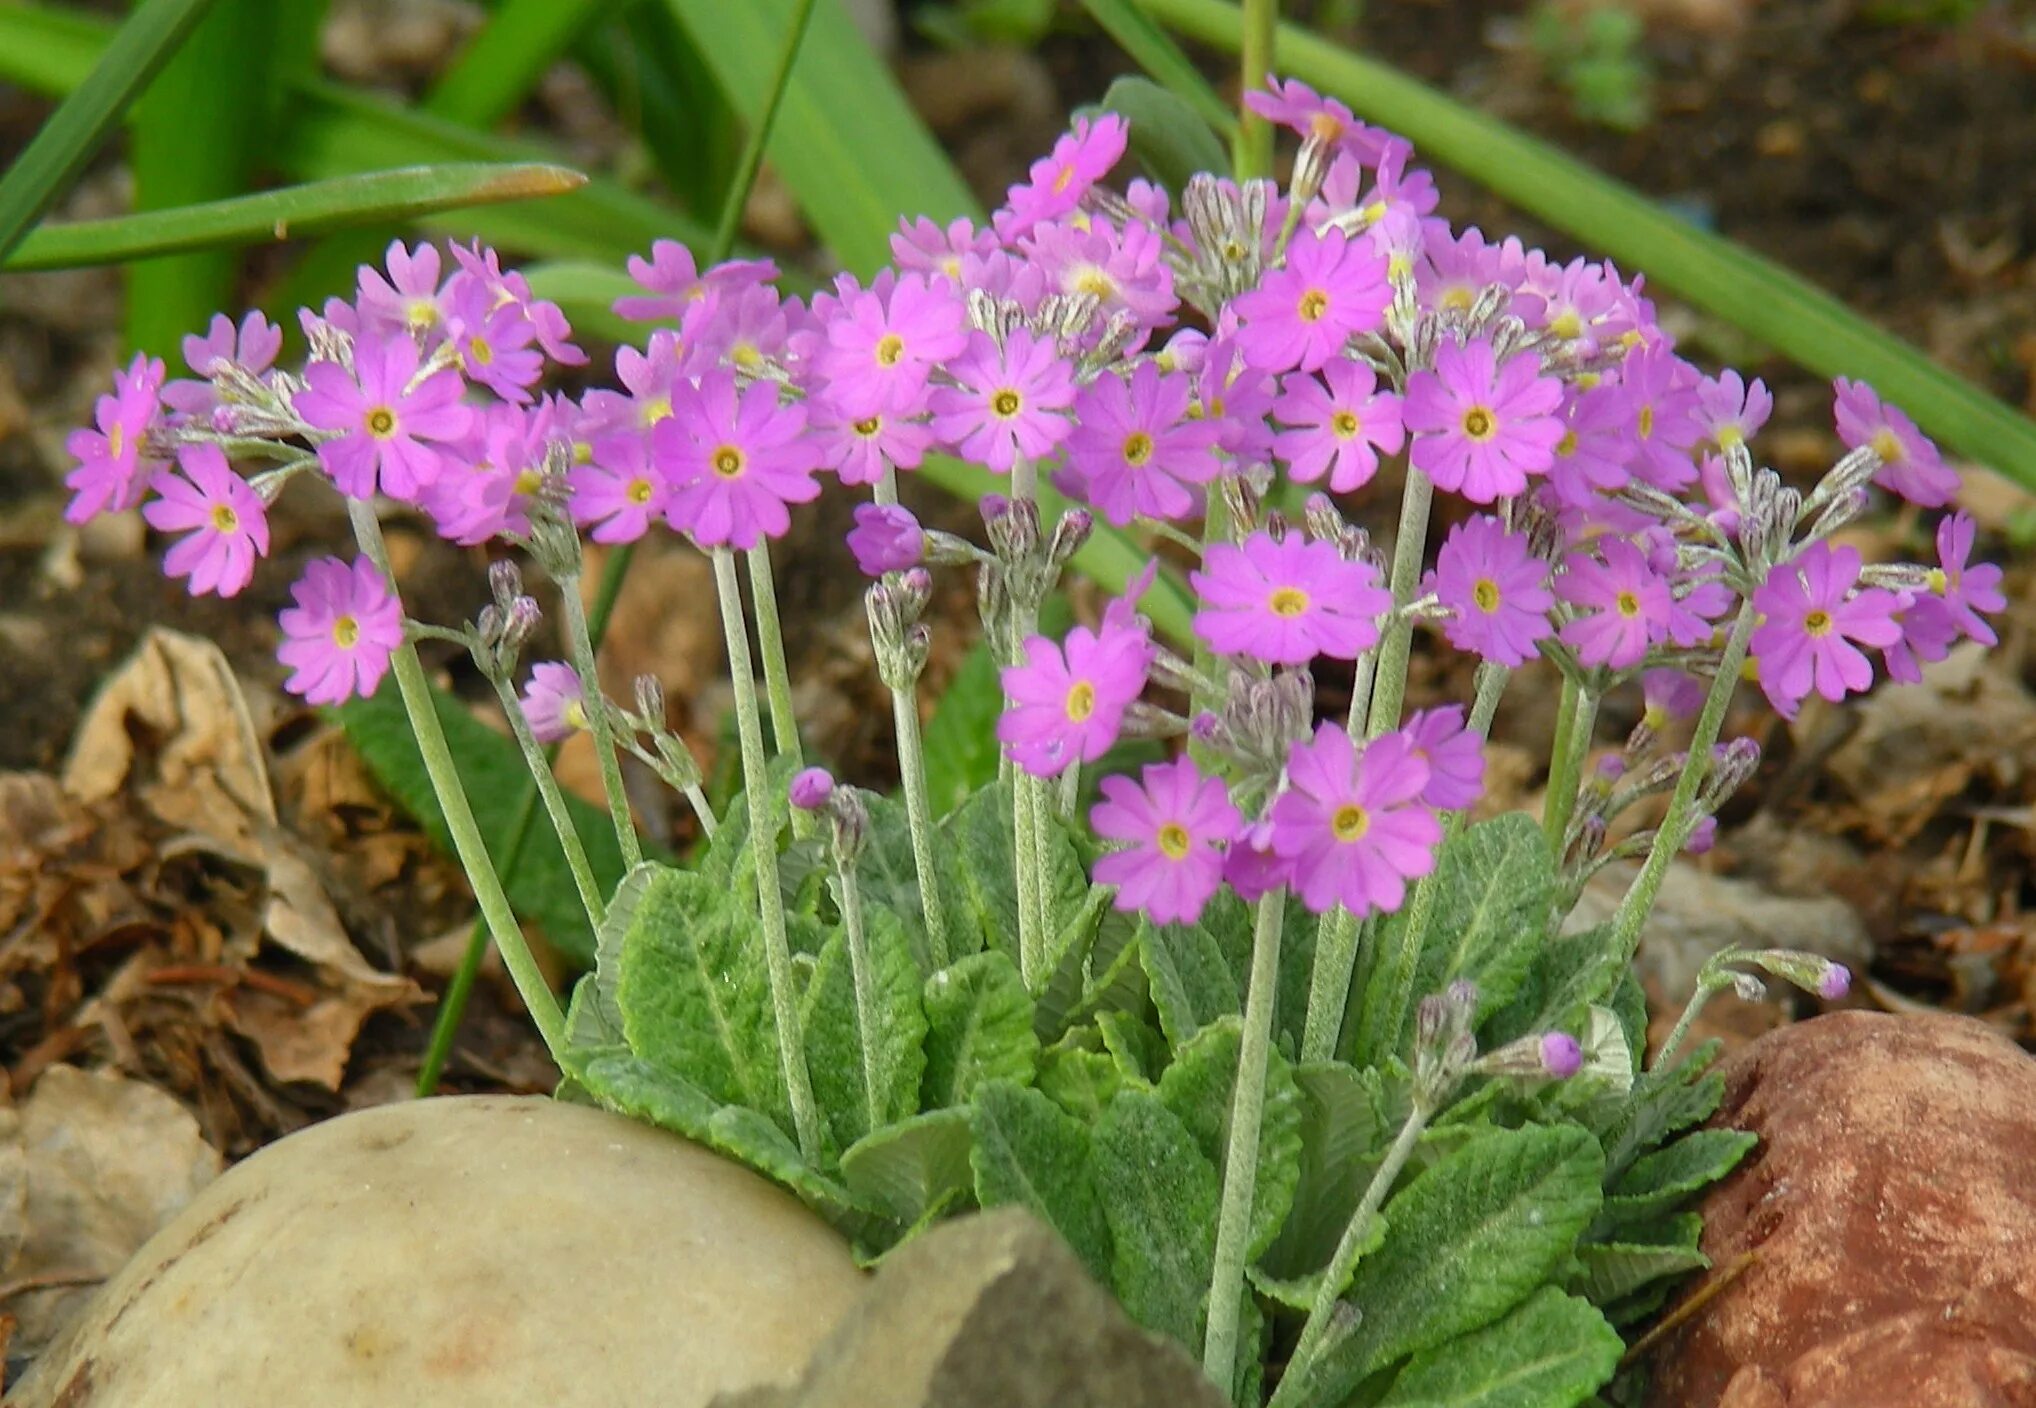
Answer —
846 142
502 63
42 173
1761 298
1154 50
290 213
662 91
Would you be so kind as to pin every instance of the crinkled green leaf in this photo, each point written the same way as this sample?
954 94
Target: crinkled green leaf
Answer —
1139 1051
634 1087
1160 1194
912 1167
1567 974
694 995
1086 973
1080 1081
960 739
1168 137
1552 1352
1196 971
834 1042
1658 1182
1662 1104
1346 1123
888 877
1469 1239
978 847
751 1137
596 1015
1030 1152
979 1029
1610 1271
1200 1087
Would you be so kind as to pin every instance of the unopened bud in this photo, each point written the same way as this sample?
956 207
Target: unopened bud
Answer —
811 788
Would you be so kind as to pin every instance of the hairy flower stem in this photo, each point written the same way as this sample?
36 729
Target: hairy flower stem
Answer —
919 819
600 722
534 758
867 1018
1389 688
763 849
770 640
1240 1163
1343 1262
459 816
1028 801
1676 825
1251 150
1575 721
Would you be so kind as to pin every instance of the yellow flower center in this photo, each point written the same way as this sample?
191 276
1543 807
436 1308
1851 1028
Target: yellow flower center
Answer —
1081 701
482 352
748 356
1627 604
1484 594
575 715
1939 580
1457 300
1566 446
868 426
1137 448
1087 278
657 408
528 481
1288 601
1064 179
381 422
1646 422
1730 435
1887 446
1567 325
116 439
727 462
346 632
1480 424
1314 303
583 452
1343 424
1350 822
1325 127
890 349
1006 403
421 313
639 491
224 519
1818 623
1173 841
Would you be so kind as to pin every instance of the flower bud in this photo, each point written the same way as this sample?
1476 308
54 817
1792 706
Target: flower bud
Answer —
1561 1055
811 789
885 538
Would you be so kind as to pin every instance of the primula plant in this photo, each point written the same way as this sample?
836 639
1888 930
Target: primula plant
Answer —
1303 1061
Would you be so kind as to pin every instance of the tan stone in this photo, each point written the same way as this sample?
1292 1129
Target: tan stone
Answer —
463 1253
1889 1215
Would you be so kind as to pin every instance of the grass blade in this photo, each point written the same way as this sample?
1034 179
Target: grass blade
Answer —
290 213
42 173
661 89
502 63
846 142
1154 50
1787 312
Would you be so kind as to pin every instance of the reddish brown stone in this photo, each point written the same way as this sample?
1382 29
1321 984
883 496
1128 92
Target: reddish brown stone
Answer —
1890 1212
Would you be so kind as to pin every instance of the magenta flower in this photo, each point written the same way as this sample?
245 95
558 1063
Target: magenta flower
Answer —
1286 602
1294 105
1009 400
810 789
1661 391
1057 181
554 334
1597 446
1963 588
1910 464
1067 704
938 251
1496 590
411 301
884 343
1178 825
1667 695
494 342
618 493
253 347
886 538
111 474
673 283
1480 429
1329 290
1339 429
383 423
859 448
229 528
1133 452
1455 757
1624 604
733 460
553 701
1253 868
1351 822
1232 396
1731 410
338 638
1561 1055
1815 623
1457 269
1123 268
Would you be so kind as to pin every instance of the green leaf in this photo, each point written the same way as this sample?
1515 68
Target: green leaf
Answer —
888 876
1139 1051
1030 1152
1552 1352
1196 971
1080 1081
751 1137
1154 50
502 63
1167 136
1759 297
961 738
289 213
492 771
854 175
1200 1088
694 995
1160 1195
1469 1239
979 1029
1094 966
834 1045
596 1016
1660 1181
1661 1104
632 1086
980 843
662 91
39 176
1610 1271
1345 1125
1568 974
913 1166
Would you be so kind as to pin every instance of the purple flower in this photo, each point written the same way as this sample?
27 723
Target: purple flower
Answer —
859 448
618 493
1703 836
1178 825
1910 464
410 302
1668 695
1455 757
1351 822
383 422
228 527
811 788
1730 410
1561 1055
938 251
554 702
1596 448
554 334
1133 452
1496 590
734 461
111 474
1661 392
1329 290
338 638
1068 703
494 342
1457 269
1965 590
253 347
1124 269
1009 400
1815 624
1294 105
882 345
1253 869
1835 983
1624 604
1338 429
1481 429
674 283
1057 181
886 538
1286 602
